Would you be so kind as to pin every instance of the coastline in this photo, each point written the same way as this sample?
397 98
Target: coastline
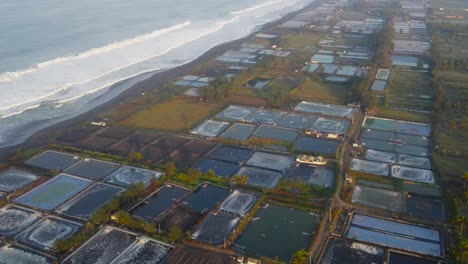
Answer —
158 78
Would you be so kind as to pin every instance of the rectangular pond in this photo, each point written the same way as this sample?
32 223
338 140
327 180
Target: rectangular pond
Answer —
102 248
425 208
314 175
325 109
86 204
11 254
262 178
45 233
206 197
394 137
277 232
398 258
266 117
52 160
127 175
270 161
92 169
276 133
236 113
144 251
210 128
339 251
404 127
381 156
216 229
395 234
13 179
15 219
54 192
297 121
159 202
371 167
378 198
239 132
232 154
220 168
316 145
328 125
239 203
412 174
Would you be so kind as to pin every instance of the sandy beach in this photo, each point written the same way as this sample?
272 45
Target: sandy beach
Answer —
134 86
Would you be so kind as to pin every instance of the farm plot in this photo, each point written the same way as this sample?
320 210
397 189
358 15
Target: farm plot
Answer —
378 198
260 177
86 203
126 176
45 233
52 160
411 90
15 219
175 115
13 179
92 169
159 202
274 226
216 229
54 192
319 176
192 254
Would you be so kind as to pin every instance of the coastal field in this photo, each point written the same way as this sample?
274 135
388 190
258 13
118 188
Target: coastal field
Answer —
175 115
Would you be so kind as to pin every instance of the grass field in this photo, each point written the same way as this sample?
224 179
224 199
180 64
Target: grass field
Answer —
304 40
322 92
451 166
402 115
174 115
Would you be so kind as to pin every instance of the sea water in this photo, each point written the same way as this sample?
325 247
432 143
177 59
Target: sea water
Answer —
58 58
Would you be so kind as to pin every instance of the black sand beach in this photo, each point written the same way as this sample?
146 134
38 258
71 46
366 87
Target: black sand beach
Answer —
157 79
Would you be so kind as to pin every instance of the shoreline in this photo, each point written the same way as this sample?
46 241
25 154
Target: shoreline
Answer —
157 79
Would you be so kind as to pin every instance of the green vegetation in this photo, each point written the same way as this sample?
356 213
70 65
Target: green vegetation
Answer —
179 114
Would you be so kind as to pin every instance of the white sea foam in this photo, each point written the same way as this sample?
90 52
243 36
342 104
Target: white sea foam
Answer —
45 90
249 9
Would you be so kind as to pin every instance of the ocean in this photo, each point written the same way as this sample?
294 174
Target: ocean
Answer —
58 58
